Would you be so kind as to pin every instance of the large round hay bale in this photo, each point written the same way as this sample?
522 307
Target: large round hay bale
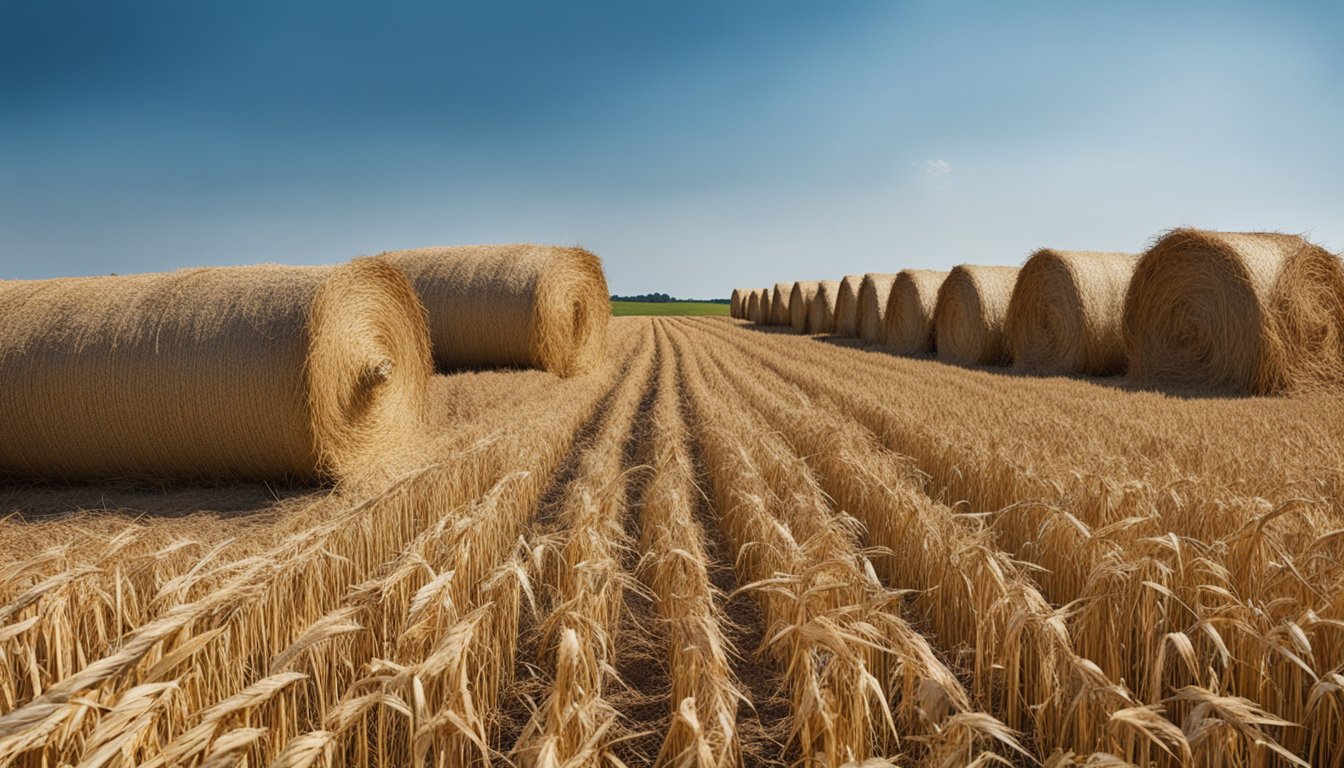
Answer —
874 290
737 307
754 307
764 295
229 372
968 318
908 320
1257 313
800 301
1065 313
847 306
512 306
821 308
779 304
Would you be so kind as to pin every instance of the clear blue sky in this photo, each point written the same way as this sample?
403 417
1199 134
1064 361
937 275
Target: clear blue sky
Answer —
696 146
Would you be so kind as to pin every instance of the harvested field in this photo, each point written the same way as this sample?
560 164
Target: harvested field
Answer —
725 545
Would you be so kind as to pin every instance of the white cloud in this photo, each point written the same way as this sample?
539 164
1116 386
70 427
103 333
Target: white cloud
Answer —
935 167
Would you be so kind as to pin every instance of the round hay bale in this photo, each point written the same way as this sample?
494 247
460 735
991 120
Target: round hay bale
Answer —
263 372
908 321
821 307
1064 316
764 294
779 304
800 299
754 307
874 290
847 306
737 304
968 318
1253 313
512 306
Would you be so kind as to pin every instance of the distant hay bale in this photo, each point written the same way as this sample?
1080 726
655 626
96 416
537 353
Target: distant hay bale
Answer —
968 318
800 299
1254 313
779 304
229 372
821 308
908 321
764 294
738 304
1065 313
874 290
512 306
847 306
754 307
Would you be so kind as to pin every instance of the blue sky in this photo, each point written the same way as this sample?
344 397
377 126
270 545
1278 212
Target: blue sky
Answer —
695 146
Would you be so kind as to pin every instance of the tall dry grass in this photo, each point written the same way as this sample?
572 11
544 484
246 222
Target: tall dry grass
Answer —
705 697
1122 527
277 599
822 600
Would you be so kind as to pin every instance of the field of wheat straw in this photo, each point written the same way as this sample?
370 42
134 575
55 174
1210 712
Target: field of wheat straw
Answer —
722 543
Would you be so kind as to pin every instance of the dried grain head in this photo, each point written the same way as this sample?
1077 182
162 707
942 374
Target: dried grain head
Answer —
908 320
968 318
1064 316
800 300
847 306
821 309
870 321
226 372
1255 313
520 305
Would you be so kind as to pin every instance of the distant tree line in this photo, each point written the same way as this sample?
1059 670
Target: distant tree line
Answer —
663 298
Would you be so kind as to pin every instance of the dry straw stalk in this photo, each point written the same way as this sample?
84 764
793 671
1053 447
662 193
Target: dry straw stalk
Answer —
1064 316
800 304
968 319
255 372
520 306
847 306
908 322
870 321
1259 313
821 309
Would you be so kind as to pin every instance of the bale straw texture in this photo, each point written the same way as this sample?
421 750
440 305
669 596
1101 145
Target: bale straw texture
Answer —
233 372
754 307
779 304
874 290
737 305
800 300
1064 316
512 306
968 319
1254 313
847 306
764 294
821 308
908 320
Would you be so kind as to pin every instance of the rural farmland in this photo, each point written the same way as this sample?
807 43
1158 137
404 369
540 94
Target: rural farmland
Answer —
674 541
671 384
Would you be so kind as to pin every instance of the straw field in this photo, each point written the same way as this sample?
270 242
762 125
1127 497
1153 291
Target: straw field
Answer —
723 544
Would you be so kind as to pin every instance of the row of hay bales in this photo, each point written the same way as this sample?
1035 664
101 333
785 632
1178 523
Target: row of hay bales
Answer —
306 373
1250 313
